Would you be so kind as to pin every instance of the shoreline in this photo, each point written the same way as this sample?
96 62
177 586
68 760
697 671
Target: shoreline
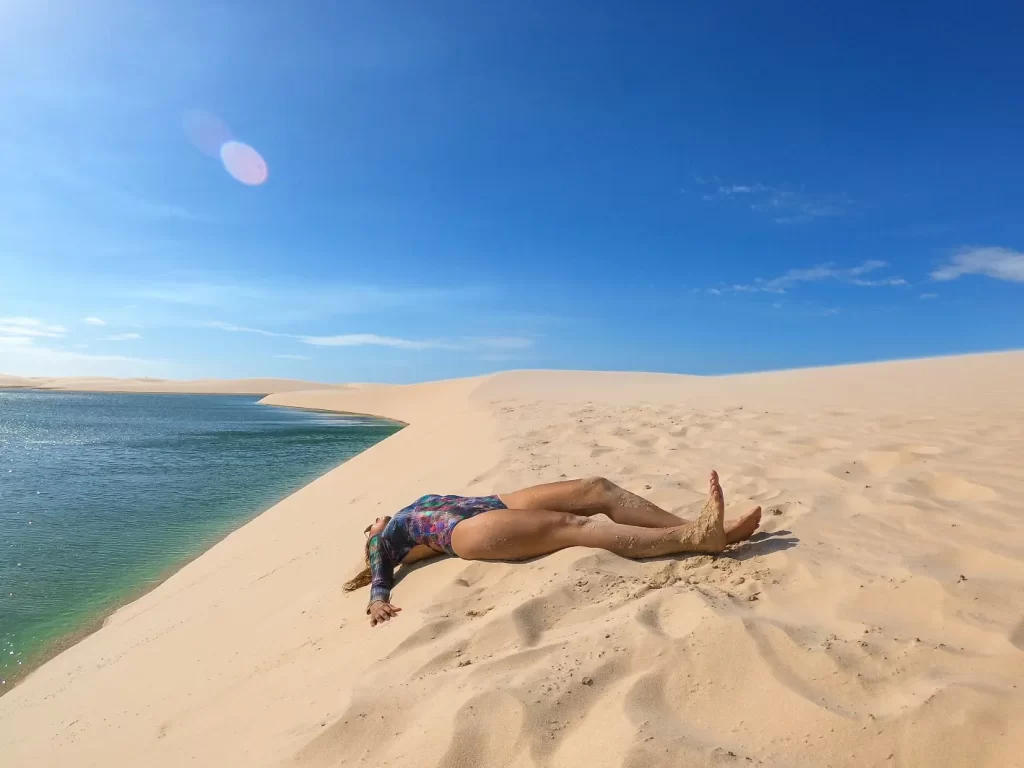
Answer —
311 409
58 645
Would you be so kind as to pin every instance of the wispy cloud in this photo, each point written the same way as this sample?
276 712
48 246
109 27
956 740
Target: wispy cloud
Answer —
343 340
14 341
33 360
291 357
94 321
369 340
373 340
30 327
24 341
377 340
928 296
786 205
997 263
884 281
289 301
232 328
122 337
822 272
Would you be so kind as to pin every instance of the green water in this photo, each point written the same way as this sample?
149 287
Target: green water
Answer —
101 495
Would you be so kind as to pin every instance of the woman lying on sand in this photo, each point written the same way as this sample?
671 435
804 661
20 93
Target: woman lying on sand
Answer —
538 521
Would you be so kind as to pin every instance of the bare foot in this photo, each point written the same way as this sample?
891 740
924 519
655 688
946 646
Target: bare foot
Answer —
710 528
743 527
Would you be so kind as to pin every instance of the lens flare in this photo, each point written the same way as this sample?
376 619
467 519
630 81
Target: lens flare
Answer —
244 163
207 132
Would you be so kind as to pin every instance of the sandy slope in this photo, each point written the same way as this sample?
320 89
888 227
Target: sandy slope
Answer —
877 620
197 386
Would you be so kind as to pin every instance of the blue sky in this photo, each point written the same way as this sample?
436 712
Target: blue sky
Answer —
455 188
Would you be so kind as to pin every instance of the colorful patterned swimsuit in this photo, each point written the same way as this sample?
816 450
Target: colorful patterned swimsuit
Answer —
429 520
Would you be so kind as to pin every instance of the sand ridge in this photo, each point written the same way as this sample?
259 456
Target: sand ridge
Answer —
874 620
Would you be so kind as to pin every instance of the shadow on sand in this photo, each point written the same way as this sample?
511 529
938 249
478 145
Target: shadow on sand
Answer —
762 543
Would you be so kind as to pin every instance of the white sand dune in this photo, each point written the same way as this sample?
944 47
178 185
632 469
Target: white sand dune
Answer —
161 386
876 619
14 382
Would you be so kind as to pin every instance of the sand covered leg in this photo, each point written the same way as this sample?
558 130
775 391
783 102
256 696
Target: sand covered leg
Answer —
510 534
599 495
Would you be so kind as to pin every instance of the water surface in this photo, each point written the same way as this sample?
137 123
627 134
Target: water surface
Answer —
101 495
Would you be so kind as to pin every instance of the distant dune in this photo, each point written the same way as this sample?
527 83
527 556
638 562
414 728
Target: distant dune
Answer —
876 619
198 386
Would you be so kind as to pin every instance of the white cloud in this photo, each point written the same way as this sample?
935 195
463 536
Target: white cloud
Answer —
929 296
715 291
291 357
232 328
122 337
997 263
371 340
344 340
376 340
31 360
868 266
94 321
890 281
30 326
787 205
20 339
849 275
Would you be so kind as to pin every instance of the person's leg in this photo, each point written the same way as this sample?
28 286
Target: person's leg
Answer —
596 495
592 496
511 535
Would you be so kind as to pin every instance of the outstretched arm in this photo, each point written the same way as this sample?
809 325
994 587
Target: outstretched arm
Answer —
382 571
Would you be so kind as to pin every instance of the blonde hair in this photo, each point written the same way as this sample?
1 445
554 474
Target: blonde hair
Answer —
362 578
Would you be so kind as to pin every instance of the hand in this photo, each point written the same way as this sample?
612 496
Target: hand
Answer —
381 611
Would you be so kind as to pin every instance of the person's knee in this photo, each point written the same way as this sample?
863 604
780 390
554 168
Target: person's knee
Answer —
598 493
598 486
568 521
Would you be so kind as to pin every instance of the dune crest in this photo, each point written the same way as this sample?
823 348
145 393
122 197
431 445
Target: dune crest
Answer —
875 619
